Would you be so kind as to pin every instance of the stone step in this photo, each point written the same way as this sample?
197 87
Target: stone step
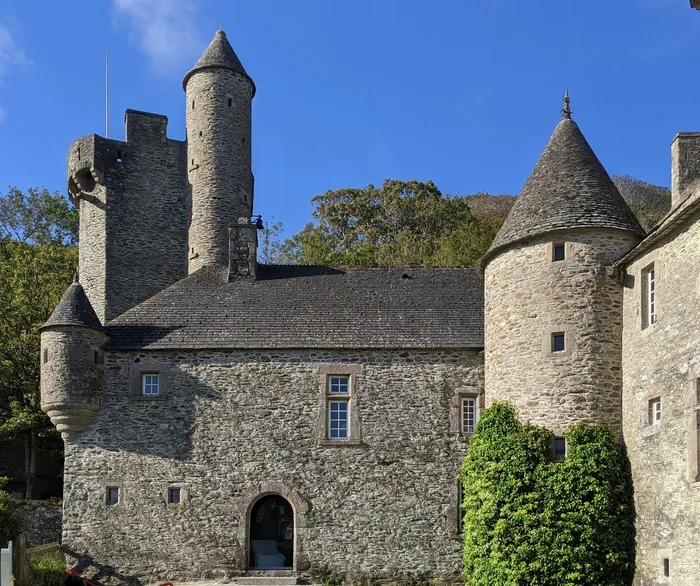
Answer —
267 581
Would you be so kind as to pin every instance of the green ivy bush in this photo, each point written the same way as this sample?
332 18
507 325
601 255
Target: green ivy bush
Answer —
529 521
9 517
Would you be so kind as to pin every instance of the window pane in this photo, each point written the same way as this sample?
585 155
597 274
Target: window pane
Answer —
173 495
112 495
339 385
559 449
558 342
468 415
338 420
559 252
150 384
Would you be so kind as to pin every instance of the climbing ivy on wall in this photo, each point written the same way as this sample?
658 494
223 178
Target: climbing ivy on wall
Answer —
531 521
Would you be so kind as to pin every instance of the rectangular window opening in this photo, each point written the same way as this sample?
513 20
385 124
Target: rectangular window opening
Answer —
97 357
150 384
667 567
469 414
230 102
338 420
655 411
559 449
338 385
174 495
112 495
558 342
119 156
559 252
193 104
649 316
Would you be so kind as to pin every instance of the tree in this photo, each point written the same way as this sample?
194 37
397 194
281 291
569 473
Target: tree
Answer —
399 223
649 202
37 261
529 520
9 518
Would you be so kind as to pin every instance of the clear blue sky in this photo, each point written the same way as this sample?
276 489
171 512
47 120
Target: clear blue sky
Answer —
465 93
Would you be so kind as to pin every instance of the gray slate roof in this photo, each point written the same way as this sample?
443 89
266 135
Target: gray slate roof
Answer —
74 309
310 307
569 188
219 53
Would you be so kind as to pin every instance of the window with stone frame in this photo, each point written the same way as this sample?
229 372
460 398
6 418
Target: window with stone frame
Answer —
558 252
112 495
174 495
469 414
648 301
338 407
654 415
150 384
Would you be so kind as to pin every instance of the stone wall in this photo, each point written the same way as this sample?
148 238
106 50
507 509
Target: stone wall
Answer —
528 297
41 521
219 161
663 361
230 427
133 213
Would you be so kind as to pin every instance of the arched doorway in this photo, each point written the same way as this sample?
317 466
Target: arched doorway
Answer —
271 534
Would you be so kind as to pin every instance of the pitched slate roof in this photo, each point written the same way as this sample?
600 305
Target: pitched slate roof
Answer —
74 309
310 307
569 188
219 53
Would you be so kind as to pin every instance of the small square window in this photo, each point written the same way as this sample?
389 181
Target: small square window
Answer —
558 342
112 495
338 420
338 385
559 252
174 495
655 411
469 414
150 385
559 449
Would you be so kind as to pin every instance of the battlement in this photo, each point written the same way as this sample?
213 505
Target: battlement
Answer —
145 126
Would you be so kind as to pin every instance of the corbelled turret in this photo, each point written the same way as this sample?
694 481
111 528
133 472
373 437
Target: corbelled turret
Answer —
72 372
219 96
553 307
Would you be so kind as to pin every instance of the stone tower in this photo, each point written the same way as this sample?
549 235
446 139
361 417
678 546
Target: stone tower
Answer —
72 371
553 307
219 99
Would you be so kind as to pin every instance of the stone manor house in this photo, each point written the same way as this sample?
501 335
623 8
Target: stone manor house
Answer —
224 418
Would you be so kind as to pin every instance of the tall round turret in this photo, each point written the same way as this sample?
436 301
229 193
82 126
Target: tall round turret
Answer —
553 305
219 98
72 371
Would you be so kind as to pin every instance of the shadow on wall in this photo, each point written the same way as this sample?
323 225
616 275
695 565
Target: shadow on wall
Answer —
158 426
85 565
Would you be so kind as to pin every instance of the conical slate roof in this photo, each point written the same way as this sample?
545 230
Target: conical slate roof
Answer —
74 309
568 189
219 53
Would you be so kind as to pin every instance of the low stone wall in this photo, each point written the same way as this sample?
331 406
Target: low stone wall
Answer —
41 521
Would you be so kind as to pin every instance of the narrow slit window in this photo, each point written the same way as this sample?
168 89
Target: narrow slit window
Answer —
230 102
79 157
193 104
666 567
559 252
150 385
655 411
558 342
97 357
46 356
649 315
119 156
469 414
112 496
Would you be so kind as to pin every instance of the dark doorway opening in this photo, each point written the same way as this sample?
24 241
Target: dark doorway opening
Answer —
272 534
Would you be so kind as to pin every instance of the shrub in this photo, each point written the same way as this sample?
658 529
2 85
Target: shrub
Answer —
9 517
48 570
531 521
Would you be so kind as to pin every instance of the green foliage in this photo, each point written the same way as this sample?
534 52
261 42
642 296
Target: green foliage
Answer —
37 262
9 517
401 223
48 570
531 521
649 202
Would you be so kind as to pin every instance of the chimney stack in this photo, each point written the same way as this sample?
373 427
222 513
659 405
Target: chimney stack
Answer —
685 166
243 250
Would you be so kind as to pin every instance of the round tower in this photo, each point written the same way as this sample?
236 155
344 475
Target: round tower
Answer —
219 96
553 304
72 363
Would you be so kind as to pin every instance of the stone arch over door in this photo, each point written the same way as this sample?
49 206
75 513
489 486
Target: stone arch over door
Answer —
300 507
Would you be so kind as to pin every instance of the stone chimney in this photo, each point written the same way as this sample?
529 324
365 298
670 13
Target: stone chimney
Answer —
685 166
243 250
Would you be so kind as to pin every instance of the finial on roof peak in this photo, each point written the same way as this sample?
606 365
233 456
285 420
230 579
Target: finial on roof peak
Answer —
566 111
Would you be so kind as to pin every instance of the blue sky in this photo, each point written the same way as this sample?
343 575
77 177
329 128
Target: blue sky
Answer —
465 93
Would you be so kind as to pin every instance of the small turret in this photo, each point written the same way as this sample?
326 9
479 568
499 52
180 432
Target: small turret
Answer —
553 307
72 363
219 99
